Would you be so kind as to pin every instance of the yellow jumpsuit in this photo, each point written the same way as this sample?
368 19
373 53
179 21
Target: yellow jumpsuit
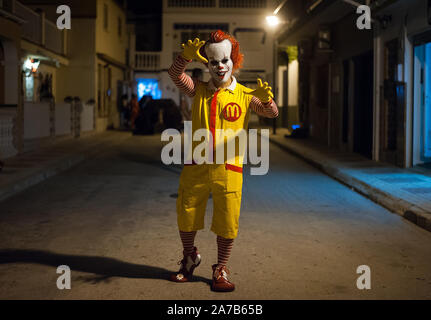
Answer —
212 110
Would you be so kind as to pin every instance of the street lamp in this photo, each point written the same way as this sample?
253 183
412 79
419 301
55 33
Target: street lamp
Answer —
272 21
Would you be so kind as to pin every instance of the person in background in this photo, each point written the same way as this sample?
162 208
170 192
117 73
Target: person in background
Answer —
134 110
145 121
124 111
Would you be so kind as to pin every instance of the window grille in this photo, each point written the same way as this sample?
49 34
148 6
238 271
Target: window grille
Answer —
191 3
201 26
242 3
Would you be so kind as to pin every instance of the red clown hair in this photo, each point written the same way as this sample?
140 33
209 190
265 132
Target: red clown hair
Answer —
236 55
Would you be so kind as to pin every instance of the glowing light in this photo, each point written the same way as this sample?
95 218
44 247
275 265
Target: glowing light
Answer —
35 65
272 20
30 65
149 87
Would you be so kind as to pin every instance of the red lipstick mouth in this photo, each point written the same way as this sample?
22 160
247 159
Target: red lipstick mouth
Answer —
221 74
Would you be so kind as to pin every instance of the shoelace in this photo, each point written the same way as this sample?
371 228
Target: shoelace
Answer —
180 274
221 272
183 263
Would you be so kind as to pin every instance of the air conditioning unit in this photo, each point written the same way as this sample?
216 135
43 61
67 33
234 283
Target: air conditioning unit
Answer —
324 39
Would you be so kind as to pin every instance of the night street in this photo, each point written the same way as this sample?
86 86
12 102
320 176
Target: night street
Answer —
306 124
112 220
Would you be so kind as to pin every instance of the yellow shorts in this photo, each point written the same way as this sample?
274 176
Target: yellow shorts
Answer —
196 184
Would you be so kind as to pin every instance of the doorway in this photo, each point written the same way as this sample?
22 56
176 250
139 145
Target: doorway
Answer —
363 104
2 79
422 105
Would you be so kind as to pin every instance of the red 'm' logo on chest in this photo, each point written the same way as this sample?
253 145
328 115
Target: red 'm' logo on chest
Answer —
232 111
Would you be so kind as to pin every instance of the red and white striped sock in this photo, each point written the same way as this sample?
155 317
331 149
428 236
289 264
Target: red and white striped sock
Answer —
188 240
224 247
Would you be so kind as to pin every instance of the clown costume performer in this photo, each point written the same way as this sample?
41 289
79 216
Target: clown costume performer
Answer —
220 103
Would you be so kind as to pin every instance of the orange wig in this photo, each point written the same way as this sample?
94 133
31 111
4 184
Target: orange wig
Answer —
236 55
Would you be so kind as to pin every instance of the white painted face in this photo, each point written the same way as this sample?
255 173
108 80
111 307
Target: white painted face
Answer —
220 64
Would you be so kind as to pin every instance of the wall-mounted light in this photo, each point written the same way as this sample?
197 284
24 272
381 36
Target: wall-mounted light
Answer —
30 66
272 21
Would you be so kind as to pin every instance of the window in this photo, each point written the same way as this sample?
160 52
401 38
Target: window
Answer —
109 83
202 26
105 16
191 3
191 35
242 3
120 27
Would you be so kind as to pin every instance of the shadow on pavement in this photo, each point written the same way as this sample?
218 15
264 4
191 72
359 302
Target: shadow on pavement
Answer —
103 267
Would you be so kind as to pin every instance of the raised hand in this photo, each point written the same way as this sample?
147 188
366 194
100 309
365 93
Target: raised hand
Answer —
263 92
191 50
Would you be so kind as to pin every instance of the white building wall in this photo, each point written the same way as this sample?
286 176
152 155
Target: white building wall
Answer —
258 56
293 74
36 120
63 118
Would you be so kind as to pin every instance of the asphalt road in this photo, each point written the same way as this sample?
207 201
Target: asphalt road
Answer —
112 220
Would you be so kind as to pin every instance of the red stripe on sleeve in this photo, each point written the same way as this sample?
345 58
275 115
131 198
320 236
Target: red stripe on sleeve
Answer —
180 78
267 110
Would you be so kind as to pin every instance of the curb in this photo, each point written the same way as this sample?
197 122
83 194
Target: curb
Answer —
55 167
396 205
40 175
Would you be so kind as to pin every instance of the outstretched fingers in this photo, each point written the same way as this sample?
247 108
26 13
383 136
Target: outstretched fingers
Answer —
201 58
270 94
259 82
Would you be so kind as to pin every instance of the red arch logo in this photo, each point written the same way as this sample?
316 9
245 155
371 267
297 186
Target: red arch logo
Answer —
232 111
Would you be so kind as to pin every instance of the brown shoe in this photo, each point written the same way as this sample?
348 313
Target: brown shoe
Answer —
188 265
220 282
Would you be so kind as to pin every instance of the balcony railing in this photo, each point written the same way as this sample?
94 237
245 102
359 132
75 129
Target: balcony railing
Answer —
243 4
147 61
31 29
52 38
191 3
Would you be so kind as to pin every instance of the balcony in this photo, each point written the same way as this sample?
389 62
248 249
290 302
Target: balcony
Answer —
39 30
147 61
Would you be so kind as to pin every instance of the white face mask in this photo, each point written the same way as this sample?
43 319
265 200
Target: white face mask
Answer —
220 64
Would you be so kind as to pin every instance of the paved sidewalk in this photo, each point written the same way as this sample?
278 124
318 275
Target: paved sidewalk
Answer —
406 192
29 168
